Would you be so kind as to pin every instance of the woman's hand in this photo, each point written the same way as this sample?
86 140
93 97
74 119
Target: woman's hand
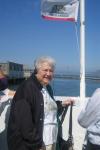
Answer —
68 101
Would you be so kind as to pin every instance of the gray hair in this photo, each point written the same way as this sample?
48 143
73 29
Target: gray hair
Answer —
44 59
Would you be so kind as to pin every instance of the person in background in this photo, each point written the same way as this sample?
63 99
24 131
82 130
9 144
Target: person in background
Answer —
5 102
33 116
89 118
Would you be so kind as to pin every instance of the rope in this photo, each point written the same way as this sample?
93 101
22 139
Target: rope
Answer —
77 39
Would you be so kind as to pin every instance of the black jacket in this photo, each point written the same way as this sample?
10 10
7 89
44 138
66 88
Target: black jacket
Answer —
25 126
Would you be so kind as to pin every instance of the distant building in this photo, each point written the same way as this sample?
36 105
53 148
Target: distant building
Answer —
12 70
27 71
16 71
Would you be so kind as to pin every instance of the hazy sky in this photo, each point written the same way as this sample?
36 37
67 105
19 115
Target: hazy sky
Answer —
25 35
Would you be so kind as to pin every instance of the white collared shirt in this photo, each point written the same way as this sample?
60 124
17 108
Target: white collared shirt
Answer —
50 119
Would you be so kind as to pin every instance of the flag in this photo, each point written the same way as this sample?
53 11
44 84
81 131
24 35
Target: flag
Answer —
60 9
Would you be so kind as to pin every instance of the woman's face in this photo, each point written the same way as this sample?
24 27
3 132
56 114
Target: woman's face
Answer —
45 73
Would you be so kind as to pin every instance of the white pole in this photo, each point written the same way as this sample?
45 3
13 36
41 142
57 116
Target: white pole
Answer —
82 49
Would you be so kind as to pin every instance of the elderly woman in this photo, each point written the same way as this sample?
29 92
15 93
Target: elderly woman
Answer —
33 118
5 102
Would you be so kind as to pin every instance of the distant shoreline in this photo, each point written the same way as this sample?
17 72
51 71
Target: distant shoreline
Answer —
77 77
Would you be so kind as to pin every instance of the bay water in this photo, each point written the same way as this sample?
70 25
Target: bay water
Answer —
71 87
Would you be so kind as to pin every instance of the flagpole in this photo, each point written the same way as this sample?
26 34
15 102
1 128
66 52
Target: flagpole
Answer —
82 49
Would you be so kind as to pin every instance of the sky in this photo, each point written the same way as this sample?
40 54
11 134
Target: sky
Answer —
25 35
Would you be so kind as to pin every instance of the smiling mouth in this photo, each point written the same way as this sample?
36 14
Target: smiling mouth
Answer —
47 78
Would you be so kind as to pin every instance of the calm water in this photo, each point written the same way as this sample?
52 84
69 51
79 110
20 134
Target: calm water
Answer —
67 87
